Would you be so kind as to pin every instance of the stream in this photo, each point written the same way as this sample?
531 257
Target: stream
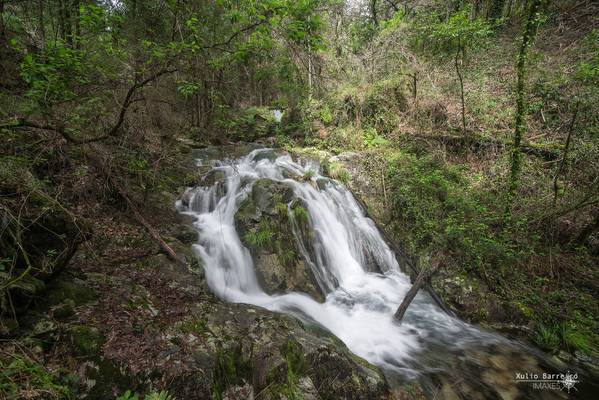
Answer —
448 357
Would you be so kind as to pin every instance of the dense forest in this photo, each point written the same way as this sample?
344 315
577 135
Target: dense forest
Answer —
468 131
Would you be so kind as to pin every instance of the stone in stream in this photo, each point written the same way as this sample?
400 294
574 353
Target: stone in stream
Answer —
264 225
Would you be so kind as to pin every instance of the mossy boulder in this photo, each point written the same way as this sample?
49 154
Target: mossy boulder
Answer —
101 377
68 288
246 349
87 341
252 124
264 224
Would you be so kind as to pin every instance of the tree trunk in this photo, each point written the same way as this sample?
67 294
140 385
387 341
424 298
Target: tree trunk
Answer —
62 19
68 22
40 18
563 160
375 18
528 37
424 274
2 33
77 25
460 51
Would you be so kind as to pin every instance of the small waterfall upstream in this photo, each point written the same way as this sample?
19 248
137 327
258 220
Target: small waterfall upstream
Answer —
359 304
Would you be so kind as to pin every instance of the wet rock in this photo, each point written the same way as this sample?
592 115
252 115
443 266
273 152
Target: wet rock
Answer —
269 155
267 194
212 177
448 392
501 382
186 233
264 225
277 355
277 278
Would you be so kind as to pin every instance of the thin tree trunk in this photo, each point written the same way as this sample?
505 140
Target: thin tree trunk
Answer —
40 17
375 18
2 34
528 37
76 23
565 155
309 71
424 274
460 77
67 22
62 19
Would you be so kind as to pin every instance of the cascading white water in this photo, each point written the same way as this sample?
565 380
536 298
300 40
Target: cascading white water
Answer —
343 248
359 305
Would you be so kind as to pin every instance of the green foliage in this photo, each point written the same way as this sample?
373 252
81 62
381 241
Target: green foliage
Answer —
162 395
337 170
287 256
261 238
383 103
54 75
373 139
300 214
458 32
20 376
250 124
231 368
308 175
128 395
188 89
326 116
547 338
433 203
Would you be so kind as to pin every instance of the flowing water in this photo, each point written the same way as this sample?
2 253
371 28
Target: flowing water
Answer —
447 356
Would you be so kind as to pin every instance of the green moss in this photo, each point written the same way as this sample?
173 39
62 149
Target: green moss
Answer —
67 287
294 357
64 310
87 341
300 214
295 367
231 368
195 325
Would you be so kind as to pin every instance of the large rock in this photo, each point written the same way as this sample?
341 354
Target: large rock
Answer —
264 224
246 349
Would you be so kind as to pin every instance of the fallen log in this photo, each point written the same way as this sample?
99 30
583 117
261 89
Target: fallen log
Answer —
423 275
136 213
153 232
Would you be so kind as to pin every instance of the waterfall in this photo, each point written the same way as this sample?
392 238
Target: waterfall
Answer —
360 301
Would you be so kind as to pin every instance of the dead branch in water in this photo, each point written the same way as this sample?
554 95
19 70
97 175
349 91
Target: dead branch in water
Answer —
424 274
